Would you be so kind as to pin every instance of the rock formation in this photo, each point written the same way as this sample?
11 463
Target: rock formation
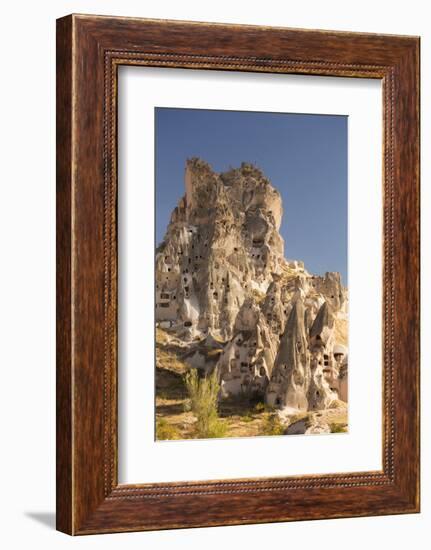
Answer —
225 291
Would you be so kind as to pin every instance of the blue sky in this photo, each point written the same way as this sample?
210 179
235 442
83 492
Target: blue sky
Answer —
304 156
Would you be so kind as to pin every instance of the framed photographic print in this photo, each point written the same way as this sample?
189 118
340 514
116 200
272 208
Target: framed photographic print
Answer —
237 274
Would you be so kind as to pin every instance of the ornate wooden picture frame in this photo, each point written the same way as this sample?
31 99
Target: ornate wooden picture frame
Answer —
89 51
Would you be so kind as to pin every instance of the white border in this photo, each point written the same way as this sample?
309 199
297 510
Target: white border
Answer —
141 459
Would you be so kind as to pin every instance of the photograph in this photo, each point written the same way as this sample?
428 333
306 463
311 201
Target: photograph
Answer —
251 274
214 235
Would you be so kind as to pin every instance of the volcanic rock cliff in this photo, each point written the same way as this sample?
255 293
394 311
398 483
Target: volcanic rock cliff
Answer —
227 295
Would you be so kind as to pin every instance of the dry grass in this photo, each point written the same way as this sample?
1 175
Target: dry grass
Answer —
338 404
169 356
165 430
248 424
171 421
337 428
167 359
171 413
162 336
336 419
298 416
236 419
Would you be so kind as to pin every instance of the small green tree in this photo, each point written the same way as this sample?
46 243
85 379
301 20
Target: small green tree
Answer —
203 399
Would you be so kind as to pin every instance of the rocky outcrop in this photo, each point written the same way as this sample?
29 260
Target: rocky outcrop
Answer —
225 290
291 375
246 363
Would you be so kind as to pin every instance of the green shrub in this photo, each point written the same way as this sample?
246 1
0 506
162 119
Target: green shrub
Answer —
164 430
203 401
273 426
